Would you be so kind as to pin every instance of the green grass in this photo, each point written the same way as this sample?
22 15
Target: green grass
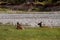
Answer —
10 33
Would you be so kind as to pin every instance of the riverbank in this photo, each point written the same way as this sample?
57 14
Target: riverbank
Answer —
25 12
10 33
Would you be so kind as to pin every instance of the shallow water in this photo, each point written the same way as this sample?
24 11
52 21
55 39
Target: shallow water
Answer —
31 19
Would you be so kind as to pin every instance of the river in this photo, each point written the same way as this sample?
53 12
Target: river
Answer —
31 19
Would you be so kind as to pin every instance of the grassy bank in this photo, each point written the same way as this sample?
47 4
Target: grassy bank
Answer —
9 11
10 33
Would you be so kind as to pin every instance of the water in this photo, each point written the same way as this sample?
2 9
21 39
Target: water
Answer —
31 19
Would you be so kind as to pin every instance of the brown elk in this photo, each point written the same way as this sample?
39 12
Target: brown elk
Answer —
19 26
40 24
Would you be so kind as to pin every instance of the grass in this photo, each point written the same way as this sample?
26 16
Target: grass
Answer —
10 33
9 11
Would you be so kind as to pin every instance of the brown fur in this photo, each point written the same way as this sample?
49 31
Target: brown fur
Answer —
19 26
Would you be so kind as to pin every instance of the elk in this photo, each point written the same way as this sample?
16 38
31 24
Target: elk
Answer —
40 24
19 26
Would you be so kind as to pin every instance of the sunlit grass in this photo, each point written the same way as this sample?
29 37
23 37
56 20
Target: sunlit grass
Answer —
11 33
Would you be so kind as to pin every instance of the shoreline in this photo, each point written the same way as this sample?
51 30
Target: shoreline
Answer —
24 12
